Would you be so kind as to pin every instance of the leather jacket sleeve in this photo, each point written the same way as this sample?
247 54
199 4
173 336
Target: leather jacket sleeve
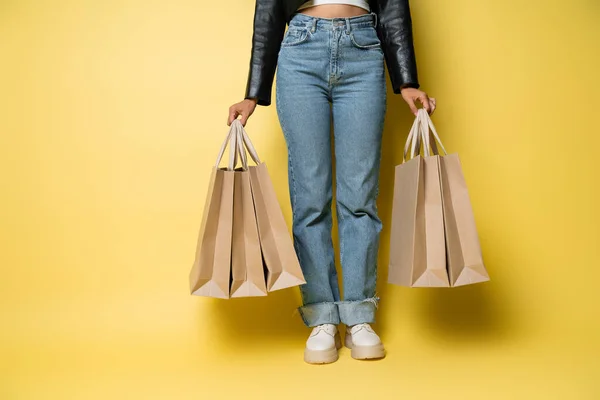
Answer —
395 29
269 27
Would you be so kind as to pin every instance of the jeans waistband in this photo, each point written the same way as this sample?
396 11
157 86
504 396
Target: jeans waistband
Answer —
348 23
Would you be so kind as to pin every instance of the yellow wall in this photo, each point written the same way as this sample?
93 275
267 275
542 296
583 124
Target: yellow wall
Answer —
110 117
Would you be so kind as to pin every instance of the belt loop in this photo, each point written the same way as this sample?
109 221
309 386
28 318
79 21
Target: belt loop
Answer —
374 19
347 26
313 28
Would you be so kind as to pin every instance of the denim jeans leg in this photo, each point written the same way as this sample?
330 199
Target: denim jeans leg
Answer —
359 106
305 116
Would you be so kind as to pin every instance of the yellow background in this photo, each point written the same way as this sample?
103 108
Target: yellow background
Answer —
111 113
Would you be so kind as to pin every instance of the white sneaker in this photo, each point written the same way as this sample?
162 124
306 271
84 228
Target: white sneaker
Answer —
322 345
364 342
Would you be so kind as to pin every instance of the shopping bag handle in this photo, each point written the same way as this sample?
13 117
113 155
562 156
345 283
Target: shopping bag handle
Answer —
427 131
246 141
231 139
424 134
241 150
413 141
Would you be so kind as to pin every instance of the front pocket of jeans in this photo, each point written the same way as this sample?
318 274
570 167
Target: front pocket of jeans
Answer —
294 37
365 39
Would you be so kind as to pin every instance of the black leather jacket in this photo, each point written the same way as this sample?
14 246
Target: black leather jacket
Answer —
394 29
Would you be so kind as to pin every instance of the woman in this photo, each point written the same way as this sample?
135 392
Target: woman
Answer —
330 70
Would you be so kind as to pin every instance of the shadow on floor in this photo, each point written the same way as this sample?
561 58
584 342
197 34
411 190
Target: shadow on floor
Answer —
260 320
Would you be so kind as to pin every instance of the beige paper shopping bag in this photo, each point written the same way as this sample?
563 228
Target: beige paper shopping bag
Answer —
417 248
465 260
211 270
283 268
247 268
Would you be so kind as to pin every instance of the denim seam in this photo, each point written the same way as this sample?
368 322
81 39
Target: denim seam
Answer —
340 215
377 195
375 300
329 83
362 46
340 234
304 36
294 189
320 303
293 199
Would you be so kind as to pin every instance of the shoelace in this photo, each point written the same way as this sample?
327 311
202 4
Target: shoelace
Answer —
320 328
356 328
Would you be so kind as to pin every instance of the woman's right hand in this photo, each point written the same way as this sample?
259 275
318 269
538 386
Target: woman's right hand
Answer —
244 108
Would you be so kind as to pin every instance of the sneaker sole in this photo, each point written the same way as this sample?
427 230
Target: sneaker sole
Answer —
364 352
323 356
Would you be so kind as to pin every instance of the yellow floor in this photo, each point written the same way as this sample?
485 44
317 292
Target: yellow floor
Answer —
111 114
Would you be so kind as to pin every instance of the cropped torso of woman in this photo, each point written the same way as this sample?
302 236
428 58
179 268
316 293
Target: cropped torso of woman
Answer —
334 11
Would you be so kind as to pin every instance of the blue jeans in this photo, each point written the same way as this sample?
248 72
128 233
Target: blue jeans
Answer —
331 71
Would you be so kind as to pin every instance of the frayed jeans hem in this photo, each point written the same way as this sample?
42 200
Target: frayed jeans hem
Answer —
347 312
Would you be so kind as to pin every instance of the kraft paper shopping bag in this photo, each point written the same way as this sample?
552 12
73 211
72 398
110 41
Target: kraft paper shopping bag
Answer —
283 268
417 248
465 259
247 268
211 271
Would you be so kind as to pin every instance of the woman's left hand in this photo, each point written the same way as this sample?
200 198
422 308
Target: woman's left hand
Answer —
411 95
